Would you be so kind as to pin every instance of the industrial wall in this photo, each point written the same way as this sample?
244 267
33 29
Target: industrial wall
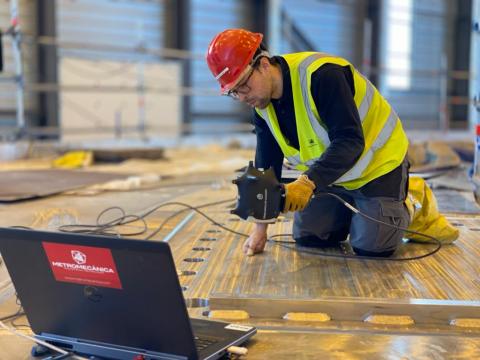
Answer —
119 50
417 52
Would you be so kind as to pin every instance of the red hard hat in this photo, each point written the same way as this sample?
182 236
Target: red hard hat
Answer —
229 54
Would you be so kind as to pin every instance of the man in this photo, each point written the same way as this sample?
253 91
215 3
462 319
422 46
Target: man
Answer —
317 111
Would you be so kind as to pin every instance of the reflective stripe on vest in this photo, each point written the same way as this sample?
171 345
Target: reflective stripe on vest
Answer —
380 140
367 99
319 130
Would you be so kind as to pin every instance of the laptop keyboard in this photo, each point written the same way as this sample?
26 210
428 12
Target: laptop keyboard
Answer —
202 343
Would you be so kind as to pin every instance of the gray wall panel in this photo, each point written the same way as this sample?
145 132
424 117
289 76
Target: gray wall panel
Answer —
119 23
330 26
209 17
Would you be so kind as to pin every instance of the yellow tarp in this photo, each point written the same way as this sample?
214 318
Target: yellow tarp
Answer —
74 159
424 214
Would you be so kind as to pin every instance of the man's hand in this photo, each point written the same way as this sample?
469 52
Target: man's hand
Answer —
298 193
256 241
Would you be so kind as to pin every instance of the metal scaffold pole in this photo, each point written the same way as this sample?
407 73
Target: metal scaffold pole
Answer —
475 94
17 55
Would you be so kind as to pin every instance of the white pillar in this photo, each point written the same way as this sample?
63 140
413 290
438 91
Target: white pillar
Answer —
17 55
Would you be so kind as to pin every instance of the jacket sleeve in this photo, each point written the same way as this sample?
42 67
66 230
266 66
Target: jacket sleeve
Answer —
333 92
268 152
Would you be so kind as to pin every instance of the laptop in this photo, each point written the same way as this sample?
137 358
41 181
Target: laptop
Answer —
109 297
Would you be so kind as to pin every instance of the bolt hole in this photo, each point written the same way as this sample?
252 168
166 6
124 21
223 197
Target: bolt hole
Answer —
208 239
201 248
188 273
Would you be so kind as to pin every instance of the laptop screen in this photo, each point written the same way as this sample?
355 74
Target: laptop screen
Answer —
95 288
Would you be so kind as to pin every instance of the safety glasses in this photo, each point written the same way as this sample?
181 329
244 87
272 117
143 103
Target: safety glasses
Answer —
243 88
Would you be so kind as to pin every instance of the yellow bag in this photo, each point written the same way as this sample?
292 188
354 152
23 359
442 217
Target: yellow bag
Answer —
74 159
424 214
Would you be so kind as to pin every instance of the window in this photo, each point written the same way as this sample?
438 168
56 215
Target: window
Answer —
399 44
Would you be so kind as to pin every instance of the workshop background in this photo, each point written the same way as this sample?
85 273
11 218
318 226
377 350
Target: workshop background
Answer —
147 61
110 103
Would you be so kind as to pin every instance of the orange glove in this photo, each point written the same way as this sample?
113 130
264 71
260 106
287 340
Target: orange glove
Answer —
298 193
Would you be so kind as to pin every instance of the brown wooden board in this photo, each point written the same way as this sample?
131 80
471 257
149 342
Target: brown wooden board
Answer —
29 184
117 155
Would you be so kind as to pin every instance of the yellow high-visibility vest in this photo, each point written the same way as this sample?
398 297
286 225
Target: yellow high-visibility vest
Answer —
386 143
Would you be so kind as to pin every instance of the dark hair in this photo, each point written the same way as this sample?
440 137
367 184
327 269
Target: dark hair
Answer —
261 48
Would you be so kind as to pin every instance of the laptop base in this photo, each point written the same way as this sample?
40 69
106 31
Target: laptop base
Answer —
40 350
104 351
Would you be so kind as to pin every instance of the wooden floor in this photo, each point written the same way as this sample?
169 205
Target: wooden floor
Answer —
453 273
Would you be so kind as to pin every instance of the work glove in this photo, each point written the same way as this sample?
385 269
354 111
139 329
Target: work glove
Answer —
298 193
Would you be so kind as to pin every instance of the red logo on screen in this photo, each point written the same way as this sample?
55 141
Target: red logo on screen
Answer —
85 265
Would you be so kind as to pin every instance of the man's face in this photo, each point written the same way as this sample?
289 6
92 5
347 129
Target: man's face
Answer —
253 89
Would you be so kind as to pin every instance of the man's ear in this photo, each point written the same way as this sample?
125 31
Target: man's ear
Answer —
264 64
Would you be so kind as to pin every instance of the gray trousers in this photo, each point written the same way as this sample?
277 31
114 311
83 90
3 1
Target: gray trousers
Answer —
326 221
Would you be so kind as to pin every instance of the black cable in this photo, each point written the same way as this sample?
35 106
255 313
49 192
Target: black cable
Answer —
340 256
16 326
13 316
105 228
194 208
19 311
346 256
